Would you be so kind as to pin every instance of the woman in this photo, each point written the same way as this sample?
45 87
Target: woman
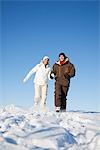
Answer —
42 73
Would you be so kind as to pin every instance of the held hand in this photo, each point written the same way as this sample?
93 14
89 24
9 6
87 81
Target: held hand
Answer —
52 74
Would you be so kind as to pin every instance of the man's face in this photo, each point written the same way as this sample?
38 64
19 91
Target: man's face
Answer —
46 61
61 58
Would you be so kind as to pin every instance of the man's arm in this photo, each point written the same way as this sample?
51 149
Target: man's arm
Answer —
70 72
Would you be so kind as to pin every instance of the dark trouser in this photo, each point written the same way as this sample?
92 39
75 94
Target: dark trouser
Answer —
60 95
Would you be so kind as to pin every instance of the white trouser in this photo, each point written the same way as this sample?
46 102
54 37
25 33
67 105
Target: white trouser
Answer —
40 95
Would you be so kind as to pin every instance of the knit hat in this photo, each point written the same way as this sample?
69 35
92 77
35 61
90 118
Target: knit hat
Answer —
45 57
63 55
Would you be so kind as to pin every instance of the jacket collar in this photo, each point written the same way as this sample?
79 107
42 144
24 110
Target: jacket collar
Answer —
66 60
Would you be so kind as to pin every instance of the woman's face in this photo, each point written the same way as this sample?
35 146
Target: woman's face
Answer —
46 61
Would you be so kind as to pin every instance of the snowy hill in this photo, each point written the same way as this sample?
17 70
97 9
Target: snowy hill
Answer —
24 130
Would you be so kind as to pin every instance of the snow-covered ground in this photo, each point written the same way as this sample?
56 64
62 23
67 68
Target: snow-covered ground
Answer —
22 129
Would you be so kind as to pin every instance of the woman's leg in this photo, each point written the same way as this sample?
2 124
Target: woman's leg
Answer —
37 96
44 89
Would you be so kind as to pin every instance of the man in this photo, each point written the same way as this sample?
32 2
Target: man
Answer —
42 72
62 70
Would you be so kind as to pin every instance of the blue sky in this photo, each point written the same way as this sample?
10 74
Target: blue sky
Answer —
32 29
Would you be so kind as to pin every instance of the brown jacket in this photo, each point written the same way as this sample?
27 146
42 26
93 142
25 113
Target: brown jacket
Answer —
64 72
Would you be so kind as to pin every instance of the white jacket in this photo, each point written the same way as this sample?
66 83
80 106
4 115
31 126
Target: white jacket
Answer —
42 74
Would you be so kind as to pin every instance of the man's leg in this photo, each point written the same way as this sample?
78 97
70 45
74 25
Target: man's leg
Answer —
37 96
64 92
44 89
57 96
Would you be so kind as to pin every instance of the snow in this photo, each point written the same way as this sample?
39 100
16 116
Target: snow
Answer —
22 129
